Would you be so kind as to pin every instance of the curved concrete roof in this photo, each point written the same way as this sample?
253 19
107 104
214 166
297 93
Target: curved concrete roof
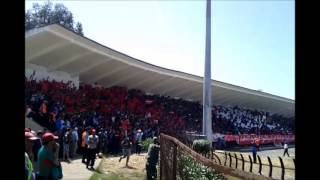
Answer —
57 48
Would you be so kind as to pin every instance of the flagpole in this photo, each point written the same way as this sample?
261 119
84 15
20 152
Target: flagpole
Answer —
206 120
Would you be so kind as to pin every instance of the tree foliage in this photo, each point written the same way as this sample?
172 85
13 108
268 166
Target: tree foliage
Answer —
46 14
201 146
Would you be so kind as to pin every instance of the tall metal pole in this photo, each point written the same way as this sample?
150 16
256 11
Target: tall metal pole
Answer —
206 120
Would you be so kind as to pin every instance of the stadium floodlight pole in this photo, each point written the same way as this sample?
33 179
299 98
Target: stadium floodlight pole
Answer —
206 117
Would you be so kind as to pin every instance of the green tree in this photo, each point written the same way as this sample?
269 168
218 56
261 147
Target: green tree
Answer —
79 28
46 14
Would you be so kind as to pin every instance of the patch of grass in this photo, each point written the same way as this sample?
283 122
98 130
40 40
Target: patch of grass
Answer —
99 176
145 144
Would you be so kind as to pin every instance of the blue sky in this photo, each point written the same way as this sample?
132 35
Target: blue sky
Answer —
253 42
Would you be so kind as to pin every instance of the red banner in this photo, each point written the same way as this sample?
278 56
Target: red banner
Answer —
247 139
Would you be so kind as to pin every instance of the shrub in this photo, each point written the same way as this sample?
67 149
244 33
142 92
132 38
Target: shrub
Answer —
189 169
145 144
201 146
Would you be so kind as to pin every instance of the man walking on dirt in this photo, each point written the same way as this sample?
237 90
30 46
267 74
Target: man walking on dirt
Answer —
152 159
126 149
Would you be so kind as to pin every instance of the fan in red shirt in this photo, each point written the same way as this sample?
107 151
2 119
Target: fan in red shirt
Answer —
257 142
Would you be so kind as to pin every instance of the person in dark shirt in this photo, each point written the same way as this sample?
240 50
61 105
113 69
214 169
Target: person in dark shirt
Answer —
152 159
254 153
126 149
66 145
103 137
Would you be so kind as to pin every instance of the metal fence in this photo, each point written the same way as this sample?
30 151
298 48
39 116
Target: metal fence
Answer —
274 168
172 150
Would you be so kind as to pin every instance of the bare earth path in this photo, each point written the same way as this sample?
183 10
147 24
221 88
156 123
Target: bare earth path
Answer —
76 170
135 171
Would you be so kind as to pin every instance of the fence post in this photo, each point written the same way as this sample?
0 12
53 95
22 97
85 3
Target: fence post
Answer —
212 154
242 162
230 160
225 158
270 166
250 163
217 158
260 165
235 155
282 168
161 156
174 163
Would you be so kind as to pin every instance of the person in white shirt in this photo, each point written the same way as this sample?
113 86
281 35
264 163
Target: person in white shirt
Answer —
285 146
93 141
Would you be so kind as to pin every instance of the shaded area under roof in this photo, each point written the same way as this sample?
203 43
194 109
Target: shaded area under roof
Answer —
59 49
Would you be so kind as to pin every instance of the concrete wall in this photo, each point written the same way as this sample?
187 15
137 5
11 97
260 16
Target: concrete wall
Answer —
30 123
43 73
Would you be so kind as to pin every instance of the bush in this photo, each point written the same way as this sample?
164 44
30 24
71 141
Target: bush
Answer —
189 169
145 144
201 146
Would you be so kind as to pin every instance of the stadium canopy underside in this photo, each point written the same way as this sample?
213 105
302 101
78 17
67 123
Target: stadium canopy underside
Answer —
59 49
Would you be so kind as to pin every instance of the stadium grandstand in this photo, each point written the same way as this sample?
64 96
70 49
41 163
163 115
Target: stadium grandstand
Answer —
76 79
64 54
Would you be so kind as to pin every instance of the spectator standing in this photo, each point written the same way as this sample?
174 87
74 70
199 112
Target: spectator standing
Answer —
257 142
29 143
285 146
138 137
29 173
126 149
254 153
29 112
74 142
47 161
93 141
66 145
36 145
55 150
215 137
84 145
152 159
59 124
29 155
103 137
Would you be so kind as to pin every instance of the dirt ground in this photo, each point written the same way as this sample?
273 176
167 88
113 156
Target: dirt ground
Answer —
76 170
135 171
110 165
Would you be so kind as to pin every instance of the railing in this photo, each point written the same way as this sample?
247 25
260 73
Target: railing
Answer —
171 150
269 168
274 168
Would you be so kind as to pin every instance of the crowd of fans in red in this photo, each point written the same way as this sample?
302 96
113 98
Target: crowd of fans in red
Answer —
59 105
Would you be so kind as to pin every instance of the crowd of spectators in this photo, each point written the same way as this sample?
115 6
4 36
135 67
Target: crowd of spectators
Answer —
237 120
60 105
41 155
